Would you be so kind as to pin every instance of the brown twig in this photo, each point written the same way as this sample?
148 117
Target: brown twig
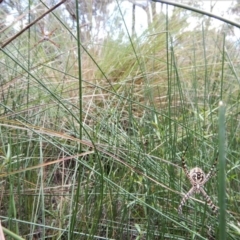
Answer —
32 23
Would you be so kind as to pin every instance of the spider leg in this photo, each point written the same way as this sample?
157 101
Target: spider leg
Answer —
41 28
51 33
185 198
53 42
37 43
209 201
184 165
211 172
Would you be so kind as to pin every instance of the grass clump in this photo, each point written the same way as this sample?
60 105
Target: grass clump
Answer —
144 100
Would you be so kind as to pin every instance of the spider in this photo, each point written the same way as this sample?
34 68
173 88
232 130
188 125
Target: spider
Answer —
46 36
197 178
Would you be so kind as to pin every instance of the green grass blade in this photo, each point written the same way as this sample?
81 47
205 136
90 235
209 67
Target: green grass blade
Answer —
222 175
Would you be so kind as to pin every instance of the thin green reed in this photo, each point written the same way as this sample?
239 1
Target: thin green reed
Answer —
223 58
74 205
222 160
221 174
169 75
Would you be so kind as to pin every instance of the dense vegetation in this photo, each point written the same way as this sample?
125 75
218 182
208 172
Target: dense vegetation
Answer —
94 122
